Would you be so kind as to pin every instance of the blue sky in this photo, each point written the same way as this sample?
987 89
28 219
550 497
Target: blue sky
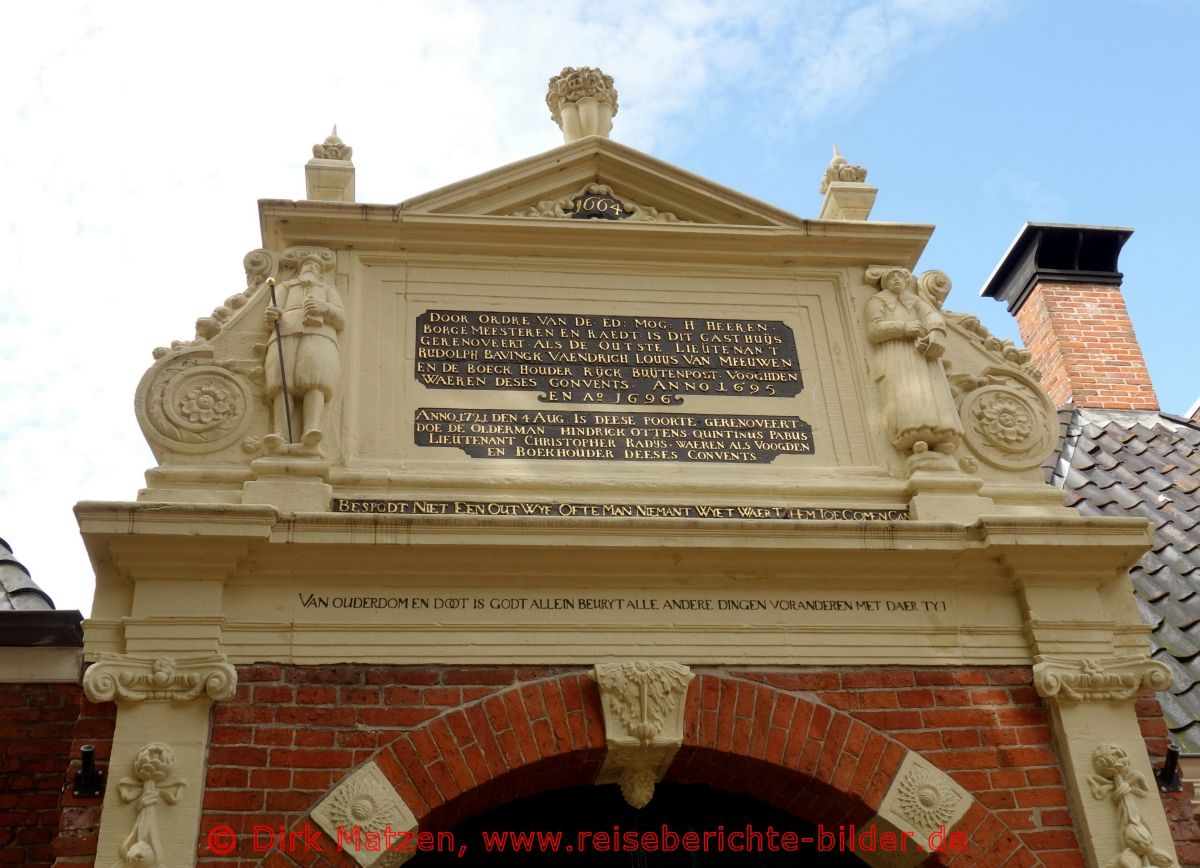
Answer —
137 141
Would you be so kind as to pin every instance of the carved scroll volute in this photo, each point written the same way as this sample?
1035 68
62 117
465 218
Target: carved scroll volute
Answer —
643 723
123 678
1114 679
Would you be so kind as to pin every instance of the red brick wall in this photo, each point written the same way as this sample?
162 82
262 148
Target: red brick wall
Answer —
1082 340
41 731
454 740
80 822
986 728
1185 826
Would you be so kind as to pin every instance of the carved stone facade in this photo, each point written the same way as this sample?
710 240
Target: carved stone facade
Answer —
440 451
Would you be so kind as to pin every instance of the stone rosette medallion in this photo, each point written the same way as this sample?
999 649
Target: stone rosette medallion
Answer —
1009 424
923 801
192 404
363 814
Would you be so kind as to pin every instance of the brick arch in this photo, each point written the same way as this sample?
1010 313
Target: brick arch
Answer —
780 746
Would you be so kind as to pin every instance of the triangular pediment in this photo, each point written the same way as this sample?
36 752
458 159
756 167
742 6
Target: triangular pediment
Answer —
538 187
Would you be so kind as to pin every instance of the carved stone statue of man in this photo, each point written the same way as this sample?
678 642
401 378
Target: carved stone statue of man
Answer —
310 316
910 335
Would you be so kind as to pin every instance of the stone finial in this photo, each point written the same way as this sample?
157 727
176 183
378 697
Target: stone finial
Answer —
333 148
848 196
582 101
329 175
840 169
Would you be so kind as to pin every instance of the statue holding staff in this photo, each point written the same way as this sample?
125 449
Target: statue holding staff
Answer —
304 337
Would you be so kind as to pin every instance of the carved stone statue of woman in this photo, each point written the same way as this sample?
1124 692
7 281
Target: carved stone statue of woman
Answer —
310 316
910 336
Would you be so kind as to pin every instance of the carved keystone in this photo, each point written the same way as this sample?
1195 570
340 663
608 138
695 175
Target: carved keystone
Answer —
367 818
125 678
1115 679
643 723
922 801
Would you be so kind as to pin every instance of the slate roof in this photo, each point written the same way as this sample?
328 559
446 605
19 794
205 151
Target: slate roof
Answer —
19 592
1148 465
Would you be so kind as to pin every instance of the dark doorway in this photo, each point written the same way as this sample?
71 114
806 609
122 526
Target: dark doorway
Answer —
594 817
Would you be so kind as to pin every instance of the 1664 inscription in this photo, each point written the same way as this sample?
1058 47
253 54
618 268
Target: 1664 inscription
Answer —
576 358
618 436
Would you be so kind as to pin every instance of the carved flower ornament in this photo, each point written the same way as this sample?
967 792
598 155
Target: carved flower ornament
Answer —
362 804
923 802
1005 420
207 402
154 763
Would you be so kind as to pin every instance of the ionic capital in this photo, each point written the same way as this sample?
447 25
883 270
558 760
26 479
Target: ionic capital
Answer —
1110 679
125 678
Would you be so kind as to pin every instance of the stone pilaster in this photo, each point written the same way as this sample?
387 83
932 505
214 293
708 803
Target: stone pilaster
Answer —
155 786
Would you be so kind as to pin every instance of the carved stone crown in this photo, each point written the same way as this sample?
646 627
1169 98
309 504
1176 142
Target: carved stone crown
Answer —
574 83
839 169
333 148
582 101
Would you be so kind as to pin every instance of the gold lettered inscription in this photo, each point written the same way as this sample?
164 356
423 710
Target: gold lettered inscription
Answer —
616 436
562 509
582 359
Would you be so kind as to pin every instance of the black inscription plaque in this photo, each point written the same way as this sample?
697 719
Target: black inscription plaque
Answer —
615 436
582 359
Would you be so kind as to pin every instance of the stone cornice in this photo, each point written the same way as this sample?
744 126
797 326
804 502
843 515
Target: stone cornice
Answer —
380 228
1114 679
125 678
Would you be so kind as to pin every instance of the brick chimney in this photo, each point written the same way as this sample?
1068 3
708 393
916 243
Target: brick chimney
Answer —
1062 285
